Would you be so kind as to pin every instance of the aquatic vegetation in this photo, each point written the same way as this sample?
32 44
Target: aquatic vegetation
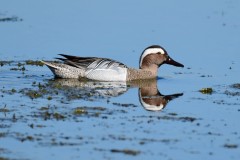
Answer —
13 90
10 19
34 63
4 109
58 116
124 105
49 115
33 94
20 68
126 151
2 158
91 106
206 90
233 90
45 118
231 146
79 111
49 98
236 86
90 111
232 93
169 117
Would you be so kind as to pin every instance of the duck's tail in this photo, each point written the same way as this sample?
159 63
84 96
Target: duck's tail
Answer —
50 64
61 70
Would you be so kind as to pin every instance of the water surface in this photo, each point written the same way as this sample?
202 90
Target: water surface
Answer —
42 117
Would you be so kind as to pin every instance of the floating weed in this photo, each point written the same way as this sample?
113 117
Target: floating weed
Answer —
2 158
124 105
89 111
40 126
40 86
2 63
27 138
11 19
170 117
58 116
206 90
236 86
4 109
172 114
49 98
33 94
13 90
2 134
126 151
14 119
23 68
79 111
44 108
31 125
234 91
231 146
18 69
34 63
187 119
206 76
230 93
46 115
19 64
39 92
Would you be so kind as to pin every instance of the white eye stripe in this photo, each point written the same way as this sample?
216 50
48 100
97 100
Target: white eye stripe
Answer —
151 51
154 50
150 107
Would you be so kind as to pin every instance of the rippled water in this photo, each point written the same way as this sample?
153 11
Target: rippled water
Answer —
42 117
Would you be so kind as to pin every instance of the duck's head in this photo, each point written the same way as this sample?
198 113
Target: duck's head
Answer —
154 56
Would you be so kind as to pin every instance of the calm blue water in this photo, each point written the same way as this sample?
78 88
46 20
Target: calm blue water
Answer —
203 35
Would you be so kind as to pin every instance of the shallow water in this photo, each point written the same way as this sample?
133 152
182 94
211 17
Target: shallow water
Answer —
42 117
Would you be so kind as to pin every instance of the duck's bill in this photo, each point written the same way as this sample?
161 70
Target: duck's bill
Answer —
174 63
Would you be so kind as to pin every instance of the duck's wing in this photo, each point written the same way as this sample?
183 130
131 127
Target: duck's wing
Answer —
91 63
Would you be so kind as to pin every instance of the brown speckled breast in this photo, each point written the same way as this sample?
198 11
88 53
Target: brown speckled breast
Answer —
137 74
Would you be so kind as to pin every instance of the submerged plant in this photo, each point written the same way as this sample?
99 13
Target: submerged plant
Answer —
206 90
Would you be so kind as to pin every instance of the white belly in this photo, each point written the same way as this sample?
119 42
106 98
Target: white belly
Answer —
116 74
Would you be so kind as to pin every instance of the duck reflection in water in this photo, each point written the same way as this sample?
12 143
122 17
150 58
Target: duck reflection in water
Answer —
149 96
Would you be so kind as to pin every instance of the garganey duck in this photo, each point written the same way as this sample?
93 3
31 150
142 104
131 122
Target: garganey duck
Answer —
104 69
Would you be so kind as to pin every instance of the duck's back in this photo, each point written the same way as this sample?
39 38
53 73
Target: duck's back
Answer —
101 69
